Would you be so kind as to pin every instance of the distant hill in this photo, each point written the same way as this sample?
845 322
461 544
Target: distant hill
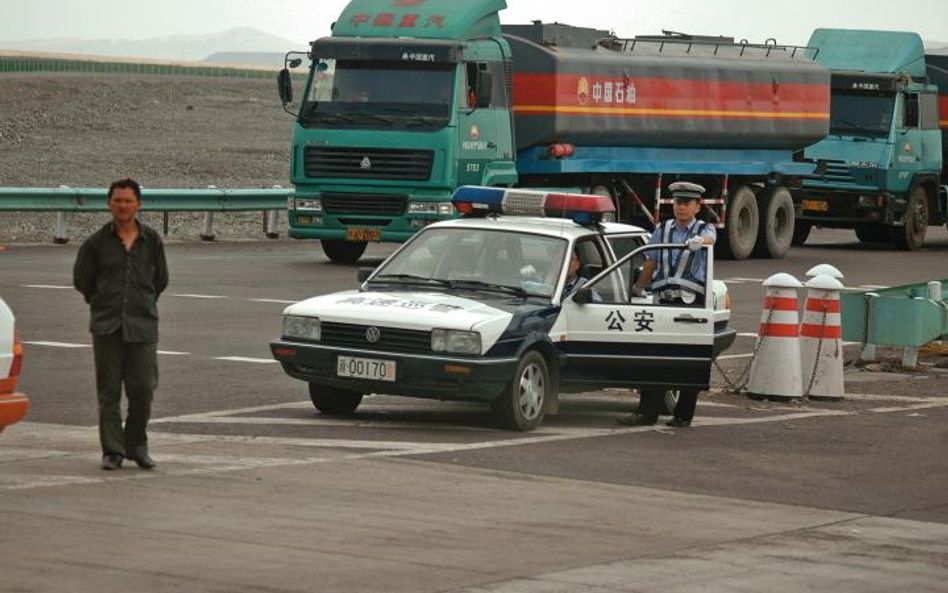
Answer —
233 42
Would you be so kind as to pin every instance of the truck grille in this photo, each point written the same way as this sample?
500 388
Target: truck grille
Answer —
390 338
837 172
364 204
368 163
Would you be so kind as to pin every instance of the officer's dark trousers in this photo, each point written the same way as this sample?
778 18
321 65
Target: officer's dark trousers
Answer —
652 404
134 364
685 408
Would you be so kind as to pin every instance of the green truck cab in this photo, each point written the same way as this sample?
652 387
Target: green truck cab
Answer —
405 101
880 169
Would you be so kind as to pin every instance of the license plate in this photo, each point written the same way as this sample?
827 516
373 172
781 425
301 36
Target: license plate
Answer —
363 234
816 205
366 368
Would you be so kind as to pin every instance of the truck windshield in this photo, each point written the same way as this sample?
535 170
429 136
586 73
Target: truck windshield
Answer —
479 259
359 94
861 114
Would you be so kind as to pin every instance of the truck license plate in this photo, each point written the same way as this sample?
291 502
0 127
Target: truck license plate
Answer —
363 234
816 205
366 368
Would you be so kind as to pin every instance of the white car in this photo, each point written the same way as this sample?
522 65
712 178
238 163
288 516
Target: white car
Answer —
13 406
475 309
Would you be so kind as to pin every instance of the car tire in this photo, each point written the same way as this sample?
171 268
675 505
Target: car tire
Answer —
911 237
522 404
333 401
775 231
343 252
740 226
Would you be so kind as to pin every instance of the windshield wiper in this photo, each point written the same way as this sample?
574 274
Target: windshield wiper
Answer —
381 118
515 290
328 117
411 279
414 119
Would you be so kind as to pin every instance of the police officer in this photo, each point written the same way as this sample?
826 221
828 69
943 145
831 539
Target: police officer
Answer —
676 277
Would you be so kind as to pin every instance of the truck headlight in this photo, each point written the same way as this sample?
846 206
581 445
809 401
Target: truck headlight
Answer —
306 328
434 208
455 342
309 205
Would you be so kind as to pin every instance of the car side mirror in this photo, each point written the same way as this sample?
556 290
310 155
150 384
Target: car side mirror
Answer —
285 86
364 274
583 296
485 87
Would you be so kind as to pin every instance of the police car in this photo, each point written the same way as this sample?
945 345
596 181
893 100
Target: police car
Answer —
13 406
487 308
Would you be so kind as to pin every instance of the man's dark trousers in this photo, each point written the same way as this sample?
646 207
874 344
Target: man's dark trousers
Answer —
136 365
685 408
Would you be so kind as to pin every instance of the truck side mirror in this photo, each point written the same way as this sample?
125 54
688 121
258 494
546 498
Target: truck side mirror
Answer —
285 86
485 87
364 274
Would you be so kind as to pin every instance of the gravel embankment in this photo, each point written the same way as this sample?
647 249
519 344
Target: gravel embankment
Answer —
84 131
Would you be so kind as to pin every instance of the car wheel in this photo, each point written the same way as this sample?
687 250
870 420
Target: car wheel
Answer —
343 252
775 232
911 237
741 225
523 403
334 401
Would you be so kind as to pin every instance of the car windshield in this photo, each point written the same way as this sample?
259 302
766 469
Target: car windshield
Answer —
356 94
477 259
861 114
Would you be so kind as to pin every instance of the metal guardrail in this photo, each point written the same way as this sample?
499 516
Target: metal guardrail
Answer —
64 200
910 316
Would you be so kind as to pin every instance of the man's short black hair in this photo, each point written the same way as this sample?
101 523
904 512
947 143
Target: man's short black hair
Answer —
127 183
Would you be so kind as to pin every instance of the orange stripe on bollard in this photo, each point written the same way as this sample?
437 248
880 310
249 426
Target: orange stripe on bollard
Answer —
828 332
821 305
778 330
780 304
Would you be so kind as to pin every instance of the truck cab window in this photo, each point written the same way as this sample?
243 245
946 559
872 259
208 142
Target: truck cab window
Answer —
910 112
929 109
497 98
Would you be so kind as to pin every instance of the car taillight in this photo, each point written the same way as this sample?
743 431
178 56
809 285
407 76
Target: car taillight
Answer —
17 353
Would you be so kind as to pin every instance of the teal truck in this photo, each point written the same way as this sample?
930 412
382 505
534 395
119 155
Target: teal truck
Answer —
409 99
881 169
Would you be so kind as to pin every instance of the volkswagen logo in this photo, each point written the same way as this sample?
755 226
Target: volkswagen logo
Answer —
366 164
373 334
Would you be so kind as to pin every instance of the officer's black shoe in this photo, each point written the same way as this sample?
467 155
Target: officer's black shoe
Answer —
636 420
678 423
143 460
111 461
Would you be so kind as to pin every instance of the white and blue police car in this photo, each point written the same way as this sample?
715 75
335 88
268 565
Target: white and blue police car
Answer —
495 307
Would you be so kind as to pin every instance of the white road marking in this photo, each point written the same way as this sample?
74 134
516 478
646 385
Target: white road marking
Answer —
59 344
733 356
48 286
925 406
245 359
199 296
277 301
742 280
746 335
173 353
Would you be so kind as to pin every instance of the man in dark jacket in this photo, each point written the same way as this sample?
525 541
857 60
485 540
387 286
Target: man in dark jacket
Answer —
121 271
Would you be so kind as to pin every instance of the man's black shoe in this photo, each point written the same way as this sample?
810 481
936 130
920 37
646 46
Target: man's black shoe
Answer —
143 460
636 420
111 461
678 423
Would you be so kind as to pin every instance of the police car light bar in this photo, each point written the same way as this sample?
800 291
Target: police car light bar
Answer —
583 209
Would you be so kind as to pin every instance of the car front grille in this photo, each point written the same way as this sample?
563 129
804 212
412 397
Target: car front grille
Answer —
390 339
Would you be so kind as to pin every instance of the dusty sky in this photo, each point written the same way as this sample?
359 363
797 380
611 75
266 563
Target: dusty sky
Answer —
301 20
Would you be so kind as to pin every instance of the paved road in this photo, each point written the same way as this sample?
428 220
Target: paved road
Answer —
258 492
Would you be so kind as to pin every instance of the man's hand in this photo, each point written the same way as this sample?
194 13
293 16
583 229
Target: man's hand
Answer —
694 243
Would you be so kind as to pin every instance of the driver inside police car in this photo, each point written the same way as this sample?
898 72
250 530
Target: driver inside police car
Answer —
677 276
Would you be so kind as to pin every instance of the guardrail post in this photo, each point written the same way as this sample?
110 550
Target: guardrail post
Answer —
60 237
273 224
207 233
868 349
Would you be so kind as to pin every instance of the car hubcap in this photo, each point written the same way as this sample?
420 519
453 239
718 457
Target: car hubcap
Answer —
532 391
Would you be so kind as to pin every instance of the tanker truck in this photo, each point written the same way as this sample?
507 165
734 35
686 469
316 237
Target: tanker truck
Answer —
881 169
409 99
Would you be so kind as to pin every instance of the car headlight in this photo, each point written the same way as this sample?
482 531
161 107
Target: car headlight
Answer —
306 328
455 342
310 205
436 208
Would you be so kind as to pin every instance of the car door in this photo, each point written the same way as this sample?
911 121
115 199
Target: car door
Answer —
616 339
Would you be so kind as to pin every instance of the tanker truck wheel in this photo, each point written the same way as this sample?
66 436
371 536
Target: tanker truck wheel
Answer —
911 237
775 233
343 252
740 225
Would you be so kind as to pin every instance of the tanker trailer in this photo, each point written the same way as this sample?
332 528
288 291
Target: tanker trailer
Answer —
627 117
937 62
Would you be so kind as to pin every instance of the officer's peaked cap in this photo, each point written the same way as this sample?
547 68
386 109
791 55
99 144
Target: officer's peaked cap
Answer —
684 190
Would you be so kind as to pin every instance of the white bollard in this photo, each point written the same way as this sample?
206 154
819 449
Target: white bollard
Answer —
775 371
821 340
824 270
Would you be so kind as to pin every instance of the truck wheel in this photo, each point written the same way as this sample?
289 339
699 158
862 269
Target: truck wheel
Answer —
740 225
523 403
775 232
343 252
911 237
801 232
333 401
872 233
